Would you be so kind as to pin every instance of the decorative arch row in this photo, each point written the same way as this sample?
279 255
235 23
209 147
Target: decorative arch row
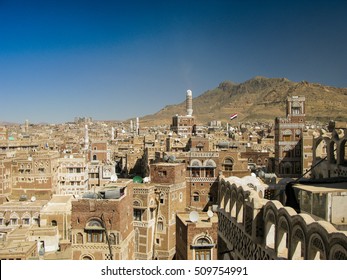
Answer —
333 147
298 236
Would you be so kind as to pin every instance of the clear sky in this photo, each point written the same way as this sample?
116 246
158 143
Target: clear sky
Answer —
114 60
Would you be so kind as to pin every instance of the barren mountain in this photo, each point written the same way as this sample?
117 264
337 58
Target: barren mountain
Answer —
259 99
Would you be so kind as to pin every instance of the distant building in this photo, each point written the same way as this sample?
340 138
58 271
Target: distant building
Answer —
72 175
184 126
196 240
34 174
19 250
170 188
102 224
289 139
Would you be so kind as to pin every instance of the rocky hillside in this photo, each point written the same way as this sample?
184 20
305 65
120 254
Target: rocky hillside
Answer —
259 99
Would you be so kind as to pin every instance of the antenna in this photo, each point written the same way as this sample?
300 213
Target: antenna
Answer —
194 216
33 198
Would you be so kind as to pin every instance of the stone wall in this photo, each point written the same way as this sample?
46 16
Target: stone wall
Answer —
252 228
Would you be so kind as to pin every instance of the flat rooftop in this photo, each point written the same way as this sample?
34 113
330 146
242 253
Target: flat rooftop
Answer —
203 220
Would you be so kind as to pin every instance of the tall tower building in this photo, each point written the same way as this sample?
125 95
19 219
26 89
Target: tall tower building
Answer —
112 133
189 103
137 126
185 125
289 139
131 126
86 137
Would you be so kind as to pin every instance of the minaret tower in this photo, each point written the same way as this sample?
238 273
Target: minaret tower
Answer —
137 126
86 137
189 103
112 133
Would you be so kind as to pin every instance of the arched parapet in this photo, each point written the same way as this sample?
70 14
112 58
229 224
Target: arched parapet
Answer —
318 240
338 246
341 147
270 221
233 200
283 232
317 247
298 236
317 146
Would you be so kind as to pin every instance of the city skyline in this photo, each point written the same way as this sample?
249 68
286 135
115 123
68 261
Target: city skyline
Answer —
114 61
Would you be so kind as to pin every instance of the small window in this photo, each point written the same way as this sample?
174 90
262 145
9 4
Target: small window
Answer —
228 164
138 214
196 197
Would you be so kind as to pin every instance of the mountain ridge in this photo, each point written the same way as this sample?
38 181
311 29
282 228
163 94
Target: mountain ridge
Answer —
258 99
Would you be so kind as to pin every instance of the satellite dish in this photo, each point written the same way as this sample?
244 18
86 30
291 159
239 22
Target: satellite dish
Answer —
194 216
33 198
146 180
209 213
114 177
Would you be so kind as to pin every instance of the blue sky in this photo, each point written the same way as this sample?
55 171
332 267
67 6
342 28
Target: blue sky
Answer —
114 60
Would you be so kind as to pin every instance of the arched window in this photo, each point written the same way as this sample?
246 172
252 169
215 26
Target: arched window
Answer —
113 238
160 225
196 197
228 164
95 157
202 249
54 223
210 166
95 231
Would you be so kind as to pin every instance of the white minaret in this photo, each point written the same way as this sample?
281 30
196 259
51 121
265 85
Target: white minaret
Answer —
137 126
189 103
112 133
131 126
26 126
86 137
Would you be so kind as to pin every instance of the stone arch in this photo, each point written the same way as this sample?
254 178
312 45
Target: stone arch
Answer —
222 194
342 152
202 247
239 206
195 163
270 222
227 200
338 252
233 203
228 164
316 247
298 244
210 163
270 229
282 236
137 203
87 257
160 224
